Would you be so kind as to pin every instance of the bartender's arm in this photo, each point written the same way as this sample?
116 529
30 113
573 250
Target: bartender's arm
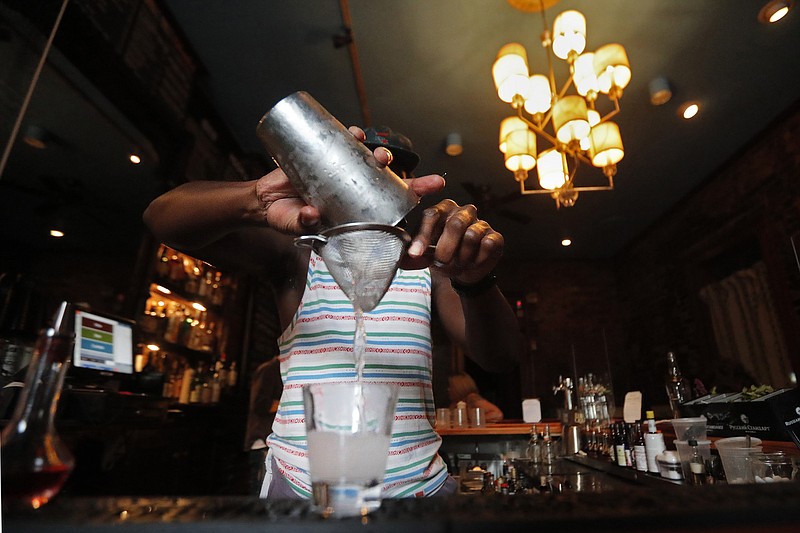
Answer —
246 225
477 315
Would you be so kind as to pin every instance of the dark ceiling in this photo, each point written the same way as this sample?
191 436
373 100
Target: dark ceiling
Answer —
426 70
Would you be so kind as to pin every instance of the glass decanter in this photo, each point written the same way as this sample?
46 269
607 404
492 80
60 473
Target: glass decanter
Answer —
35 463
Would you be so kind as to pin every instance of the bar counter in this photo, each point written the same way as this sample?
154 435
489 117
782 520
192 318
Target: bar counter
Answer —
710 509
507 428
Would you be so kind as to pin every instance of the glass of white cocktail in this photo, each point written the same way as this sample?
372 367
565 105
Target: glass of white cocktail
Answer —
349 427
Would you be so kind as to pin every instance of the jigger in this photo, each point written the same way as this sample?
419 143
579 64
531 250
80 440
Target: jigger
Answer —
330 168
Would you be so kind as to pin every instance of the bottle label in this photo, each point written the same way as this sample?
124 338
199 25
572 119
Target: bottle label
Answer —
620 450
641 458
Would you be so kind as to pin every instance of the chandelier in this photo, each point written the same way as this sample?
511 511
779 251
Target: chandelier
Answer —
577 132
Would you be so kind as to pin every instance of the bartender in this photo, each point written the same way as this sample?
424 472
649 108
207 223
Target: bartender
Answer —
251 225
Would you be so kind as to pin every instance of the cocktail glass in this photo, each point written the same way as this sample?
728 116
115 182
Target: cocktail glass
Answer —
349 427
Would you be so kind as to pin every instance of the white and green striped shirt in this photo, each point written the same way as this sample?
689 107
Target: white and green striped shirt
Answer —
317 347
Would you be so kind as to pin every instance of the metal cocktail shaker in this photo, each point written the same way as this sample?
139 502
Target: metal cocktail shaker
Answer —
330 168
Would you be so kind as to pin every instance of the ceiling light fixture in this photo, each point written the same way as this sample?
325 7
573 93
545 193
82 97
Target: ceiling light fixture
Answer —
774 10
566 242
579 133
660 91
453 146
135 159
690 110
36 137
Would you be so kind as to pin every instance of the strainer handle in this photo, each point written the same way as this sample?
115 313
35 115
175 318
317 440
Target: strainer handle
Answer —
309 241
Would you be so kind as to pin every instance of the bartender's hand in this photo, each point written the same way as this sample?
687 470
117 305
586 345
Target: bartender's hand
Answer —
467 248
284 210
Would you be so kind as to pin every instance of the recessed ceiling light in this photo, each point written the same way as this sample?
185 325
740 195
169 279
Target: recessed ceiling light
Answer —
774 10
135 159
566 242
57 233
689 110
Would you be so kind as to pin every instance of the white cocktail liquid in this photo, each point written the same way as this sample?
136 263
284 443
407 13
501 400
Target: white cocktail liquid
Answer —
359 343
347 471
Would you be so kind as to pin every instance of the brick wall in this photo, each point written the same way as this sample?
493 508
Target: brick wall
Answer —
627 313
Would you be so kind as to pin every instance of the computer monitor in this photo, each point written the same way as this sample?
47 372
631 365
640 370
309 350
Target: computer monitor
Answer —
104 348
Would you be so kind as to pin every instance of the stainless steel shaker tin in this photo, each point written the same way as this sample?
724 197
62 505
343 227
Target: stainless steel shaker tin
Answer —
329 167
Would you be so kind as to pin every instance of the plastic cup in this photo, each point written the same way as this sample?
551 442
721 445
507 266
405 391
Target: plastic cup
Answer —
685 453
476 417
349 427
735 455
690 428
442 418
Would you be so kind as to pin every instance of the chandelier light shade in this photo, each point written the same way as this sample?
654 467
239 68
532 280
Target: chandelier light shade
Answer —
508 126
520 150
594 120
612 69
552 169
510 72
539 96
584 78
572 120
569 34
606 148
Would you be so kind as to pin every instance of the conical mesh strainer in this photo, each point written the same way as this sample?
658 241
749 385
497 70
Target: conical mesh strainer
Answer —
361 257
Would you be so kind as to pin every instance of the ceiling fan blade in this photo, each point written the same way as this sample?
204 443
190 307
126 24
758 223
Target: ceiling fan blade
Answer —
507 198
514 216
474 190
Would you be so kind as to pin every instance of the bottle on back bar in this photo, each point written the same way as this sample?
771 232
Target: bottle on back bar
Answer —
653 443
639 452
678 389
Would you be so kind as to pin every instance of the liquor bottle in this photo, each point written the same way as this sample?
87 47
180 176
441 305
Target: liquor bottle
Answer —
186 385
196 392
639 451
653 443
534 448
163 264
35 461
548 450
678 389
233 375
697 465
619 444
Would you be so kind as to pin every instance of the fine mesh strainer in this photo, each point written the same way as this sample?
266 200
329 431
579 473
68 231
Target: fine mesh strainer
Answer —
362 258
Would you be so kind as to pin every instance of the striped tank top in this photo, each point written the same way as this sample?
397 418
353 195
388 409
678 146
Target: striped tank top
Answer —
317 347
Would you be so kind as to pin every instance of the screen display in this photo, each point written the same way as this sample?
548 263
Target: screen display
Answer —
103 343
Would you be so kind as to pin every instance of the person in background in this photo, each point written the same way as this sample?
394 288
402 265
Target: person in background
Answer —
462 388
266 387
251 225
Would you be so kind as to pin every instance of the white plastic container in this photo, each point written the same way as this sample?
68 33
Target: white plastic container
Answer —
654 445
531 411
669 465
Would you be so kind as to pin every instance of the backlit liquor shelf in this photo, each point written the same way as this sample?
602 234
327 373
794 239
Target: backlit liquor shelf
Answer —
183 328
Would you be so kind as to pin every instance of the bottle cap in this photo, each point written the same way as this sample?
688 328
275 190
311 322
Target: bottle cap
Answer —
650 414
